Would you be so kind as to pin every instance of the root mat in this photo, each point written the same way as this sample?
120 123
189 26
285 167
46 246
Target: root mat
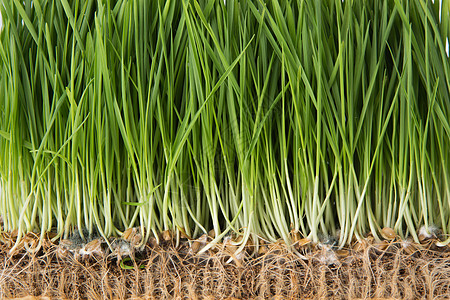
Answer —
391 269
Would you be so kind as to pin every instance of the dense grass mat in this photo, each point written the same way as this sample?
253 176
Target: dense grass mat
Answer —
261 119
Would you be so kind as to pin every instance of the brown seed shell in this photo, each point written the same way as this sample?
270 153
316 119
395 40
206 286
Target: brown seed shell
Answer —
31 245
203 238
167 235
136 239
342 253
94 246
231 248
295 236
262 250
381 245
195 246
388 233
422 238
410 249
360 246
127 233
153 242
66 244
303 242
183 234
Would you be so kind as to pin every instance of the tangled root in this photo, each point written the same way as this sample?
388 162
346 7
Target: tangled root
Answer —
167 272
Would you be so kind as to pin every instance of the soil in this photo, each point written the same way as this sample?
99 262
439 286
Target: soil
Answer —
367 270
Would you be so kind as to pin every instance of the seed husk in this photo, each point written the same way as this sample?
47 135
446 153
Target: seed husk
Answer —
167 235
127 233
381 245
388 233
360 246
195 246
262 250
342 253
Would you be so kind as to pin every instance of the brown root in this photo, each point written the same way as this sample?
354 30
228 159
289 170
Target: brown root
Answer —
391 270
